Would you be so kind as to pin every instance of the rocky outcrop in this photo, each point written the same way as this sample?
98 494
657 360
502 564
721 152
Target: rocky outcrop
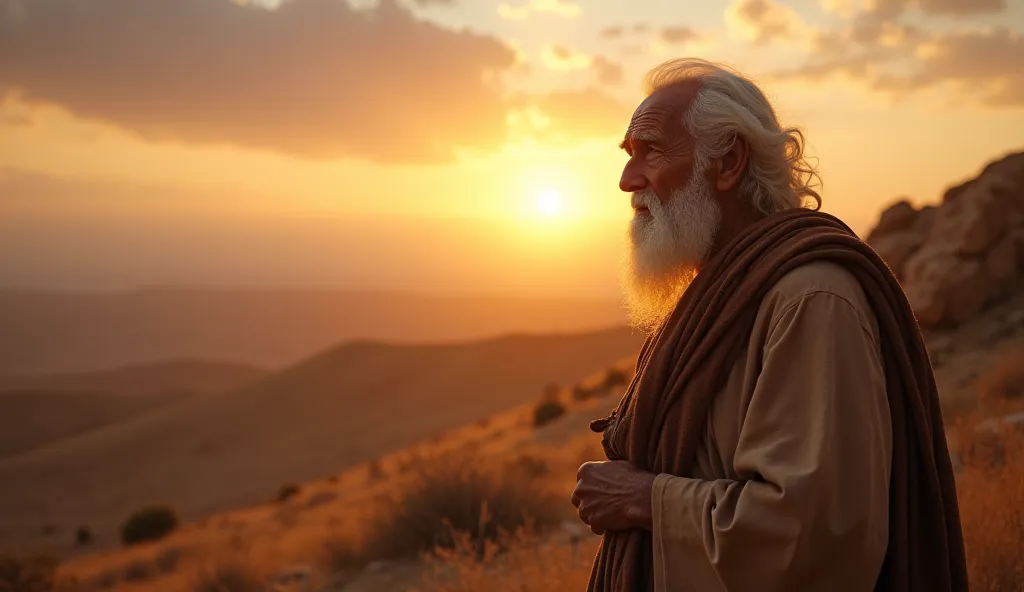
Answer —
955 258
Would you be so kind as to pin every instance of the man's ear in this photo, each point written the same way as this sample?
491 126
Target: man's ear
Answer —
731 165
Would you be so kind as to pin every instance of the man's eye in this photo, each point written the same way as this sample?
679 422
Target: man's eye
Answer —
654 149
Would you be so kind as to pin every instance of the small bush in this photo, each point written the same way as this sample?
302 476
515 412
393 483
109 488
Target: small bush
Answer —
138 571
149 524
615 378
228 577
83 536
546 412
451 496
582 393
531 466
287 491
36 573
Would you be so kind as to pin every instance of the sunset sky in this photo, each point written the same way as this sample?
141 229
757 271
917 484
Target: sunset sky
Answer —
442 145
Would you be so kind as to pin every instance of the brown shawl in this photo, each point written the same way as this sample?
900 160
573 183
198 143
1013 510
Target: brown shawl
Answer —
658 423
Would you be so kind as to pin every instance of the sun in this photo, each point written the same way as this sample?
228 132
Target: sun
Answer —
549 203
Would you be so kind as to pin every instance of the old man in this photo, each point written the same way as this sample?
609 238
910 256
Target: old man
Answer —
783 429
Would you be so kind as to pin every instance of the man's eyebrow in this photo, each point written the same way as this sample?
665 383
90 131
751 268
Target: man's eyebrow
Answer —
643 136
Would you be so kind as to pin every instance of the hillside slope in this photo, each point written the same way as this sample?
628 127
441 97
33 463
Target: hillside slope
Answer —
344 406
38 410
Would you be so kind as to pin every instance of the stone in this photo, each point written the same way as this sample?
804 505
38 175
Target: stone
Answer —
956 258
1001 260
899 216
895 248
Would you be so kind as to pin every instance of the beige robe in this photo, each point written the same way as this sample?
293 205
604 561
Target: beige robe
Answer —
791 486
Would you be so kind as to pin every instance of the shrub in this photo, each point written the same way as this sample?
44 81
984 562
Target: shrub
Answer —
582 393
615 378
35 573
138 571
451 496
287 491
83 536
149 524
532 466
546 412
227 577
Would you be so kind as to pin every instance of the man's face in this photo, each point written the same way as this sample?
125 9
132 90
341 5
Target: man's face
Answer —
676 216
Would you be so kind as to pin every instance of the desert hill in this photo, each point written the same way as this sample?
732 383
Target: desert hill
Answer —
184 376
47 332
38 410
346 405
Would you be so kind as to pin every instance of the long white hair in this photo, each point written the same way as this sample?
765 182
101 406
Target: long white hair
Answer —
728 105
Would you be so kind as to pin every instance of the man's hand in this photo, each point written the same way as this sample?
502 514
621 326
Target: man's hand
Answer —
613 495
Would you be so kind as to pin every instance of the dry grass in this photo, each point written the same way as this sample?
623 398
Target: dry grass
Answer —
228 577
523 562
990 489
459 494
27 574
1005 379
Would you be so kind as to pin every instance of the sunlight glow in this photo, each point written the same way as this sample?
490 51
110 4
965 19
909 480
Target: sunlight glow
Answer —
549 203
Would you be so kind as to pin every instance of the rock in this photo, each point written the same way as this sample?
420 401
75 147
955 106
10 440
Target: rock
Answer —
899 216
1001 261
895 248
956 258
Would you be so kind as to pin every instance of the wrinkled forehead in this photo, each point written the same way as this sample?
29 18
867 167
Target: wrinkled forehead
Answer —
661 115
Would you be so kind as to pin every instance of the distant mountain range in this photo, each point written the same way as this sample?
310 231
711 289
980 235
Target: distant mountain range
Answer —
48 332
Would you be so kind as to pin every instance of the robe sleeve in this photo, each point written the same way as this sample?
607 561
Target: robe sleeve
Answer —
810 511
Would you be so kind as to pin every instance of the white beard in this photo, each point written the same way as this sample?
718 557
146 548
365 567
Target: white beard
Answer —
667 247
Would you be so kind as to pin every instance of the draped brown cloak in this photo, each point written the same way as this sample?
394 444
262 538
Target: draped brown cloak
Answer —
659 421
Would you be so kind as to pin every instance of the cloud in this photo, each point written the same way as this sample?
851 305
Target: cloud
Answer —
889 9
613 32
314 78
678 35
983 64
521 10
765 21
579 114
561 58
608 72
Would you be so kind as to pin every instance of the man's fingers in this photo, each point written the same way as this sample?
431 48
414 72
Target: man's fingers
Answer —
596 529
575 499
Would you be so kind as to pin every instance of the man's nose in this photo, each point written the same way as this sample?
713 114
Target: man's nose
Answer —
632 179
